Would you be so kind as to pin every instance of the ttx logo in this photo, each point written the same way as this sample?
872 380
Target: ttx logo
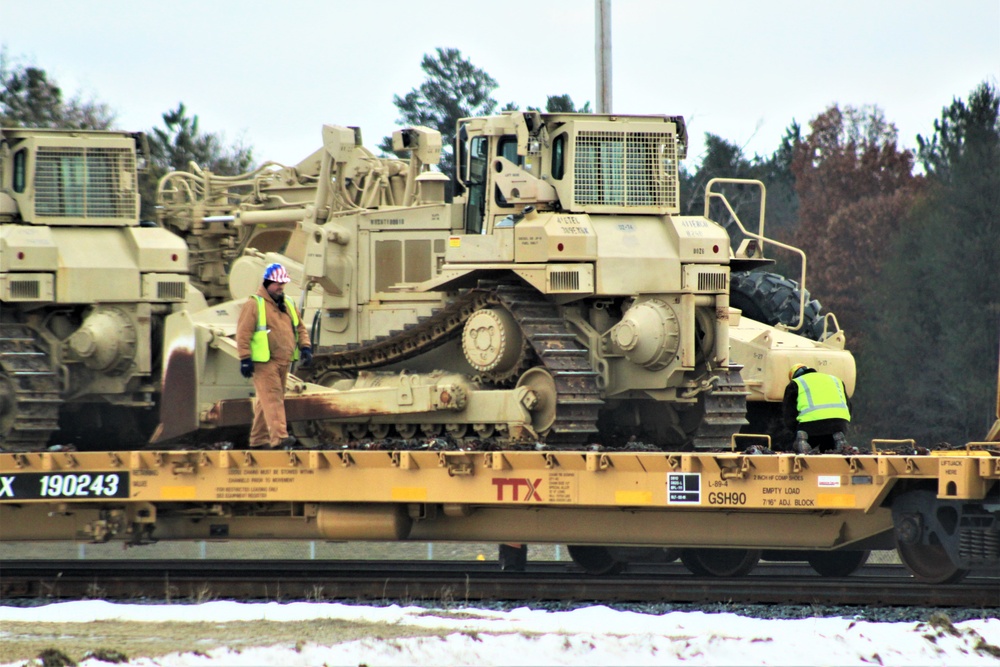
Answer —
515 484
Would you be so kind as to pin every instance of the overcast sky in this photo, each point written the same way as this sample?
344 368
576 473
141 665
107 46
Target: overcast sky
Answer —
271 73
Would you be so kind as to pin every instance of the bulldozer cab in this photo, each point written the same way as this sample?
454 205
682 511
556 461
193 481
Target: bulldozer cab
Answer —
579 163
70 178
474 175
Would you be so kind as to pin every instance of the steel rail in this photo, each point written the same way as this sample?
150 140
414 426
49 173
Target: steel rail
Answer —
460 581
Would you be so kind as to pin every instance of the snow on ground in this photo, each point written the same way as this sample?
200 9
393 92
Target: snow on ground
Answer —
588 636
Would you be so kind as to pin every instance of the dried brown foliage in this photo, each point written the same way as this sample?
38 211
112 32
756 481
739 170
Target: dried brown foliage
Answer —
854 185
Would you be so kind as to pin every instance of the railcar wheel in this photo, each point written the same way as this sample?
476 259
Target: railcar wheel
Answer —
595 560
930 563
837 563
644 554
720 562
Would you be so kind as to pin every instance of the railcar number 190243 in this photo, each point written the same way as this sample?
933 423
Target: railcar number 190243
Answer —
35 486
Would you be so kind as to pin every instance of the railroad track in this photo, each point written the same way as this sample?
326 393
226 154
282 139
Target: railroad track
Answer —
451 581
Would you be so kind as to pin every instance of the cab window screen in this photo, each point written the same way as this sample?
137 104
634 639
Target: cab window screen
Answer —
507 148
559 157
20 166
475 209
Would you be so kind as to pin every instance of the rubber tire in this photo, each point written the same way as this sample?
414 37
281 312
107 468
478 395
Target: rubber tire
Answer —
837 563
720 562
773 299
595 560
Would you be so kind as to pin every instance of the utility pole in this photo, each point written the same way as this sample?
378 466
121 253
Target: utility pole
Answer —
602 41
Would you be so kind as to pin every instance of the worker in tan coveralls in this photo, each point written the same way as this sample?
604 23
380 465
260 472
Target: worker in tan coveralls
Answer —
269 336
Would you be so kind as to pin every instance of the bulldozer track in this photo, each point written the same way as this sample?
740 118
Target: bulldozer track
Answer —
725 411
29 390
547 332
414 339
578 397
554 346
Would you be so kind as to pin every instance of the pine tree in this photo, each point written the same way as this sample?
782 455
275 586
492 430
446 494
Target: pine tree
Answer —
931 368
454 88
28 98
564 104
180 142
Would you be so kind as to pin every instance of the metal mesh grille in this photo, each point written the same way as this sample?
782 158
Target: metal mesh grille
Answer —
85 183
630 169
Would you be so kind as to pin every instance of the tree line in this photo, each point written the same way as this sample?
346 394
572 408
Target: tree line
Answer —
30 98
907 258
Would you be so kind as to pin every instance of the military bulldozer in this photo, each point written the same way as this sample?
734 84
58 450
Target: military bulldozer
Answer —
557 297
84 290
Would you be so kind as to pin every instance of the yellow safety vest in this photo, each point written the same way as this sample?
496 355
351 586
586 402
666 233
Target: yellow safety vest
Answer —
260 351
821 396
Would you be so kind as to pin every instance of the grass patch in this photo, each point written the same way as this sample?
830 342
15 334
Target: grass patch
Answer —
78 641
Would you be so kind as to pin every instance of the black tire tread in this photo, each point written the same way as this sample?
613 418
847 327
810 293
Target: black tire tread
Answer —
773 299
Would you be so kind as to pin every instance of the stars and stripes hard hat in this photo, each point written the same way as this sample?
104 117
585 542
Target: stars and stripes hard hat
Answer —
276 273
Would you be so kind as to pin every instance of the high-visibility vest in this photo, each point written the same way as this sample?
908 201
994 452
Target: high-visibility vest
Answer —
260 351
821 396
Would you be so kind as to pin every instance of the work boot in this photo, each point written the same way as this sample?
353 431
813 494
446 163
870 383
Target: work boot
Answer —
802 443
287 443
513 558
841 444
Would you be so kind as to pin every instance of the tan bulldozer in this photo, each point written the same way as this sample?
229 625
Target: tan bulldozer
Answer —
84 291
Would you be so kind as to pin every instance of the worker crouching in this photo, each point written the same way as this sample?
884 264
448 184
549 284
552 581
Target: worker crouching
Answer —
269 337
817 409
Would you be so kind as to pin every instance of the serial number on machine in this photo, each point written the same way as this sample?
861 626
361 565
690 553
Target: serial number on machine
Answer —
29 486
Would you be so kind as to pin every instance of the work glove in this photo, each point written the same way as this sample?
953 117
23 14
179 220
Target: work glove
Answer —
307 357
246 367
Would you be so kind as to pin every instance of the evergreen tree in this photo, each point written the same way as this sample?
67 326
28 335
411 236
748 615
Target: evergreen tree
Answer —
725 159
931 369
180 142
28 98
776 173
454 88
564 104
722 159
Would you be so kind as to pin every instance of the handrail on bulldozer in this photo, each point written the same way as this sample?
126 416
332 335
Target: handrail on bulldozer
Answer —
709 195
